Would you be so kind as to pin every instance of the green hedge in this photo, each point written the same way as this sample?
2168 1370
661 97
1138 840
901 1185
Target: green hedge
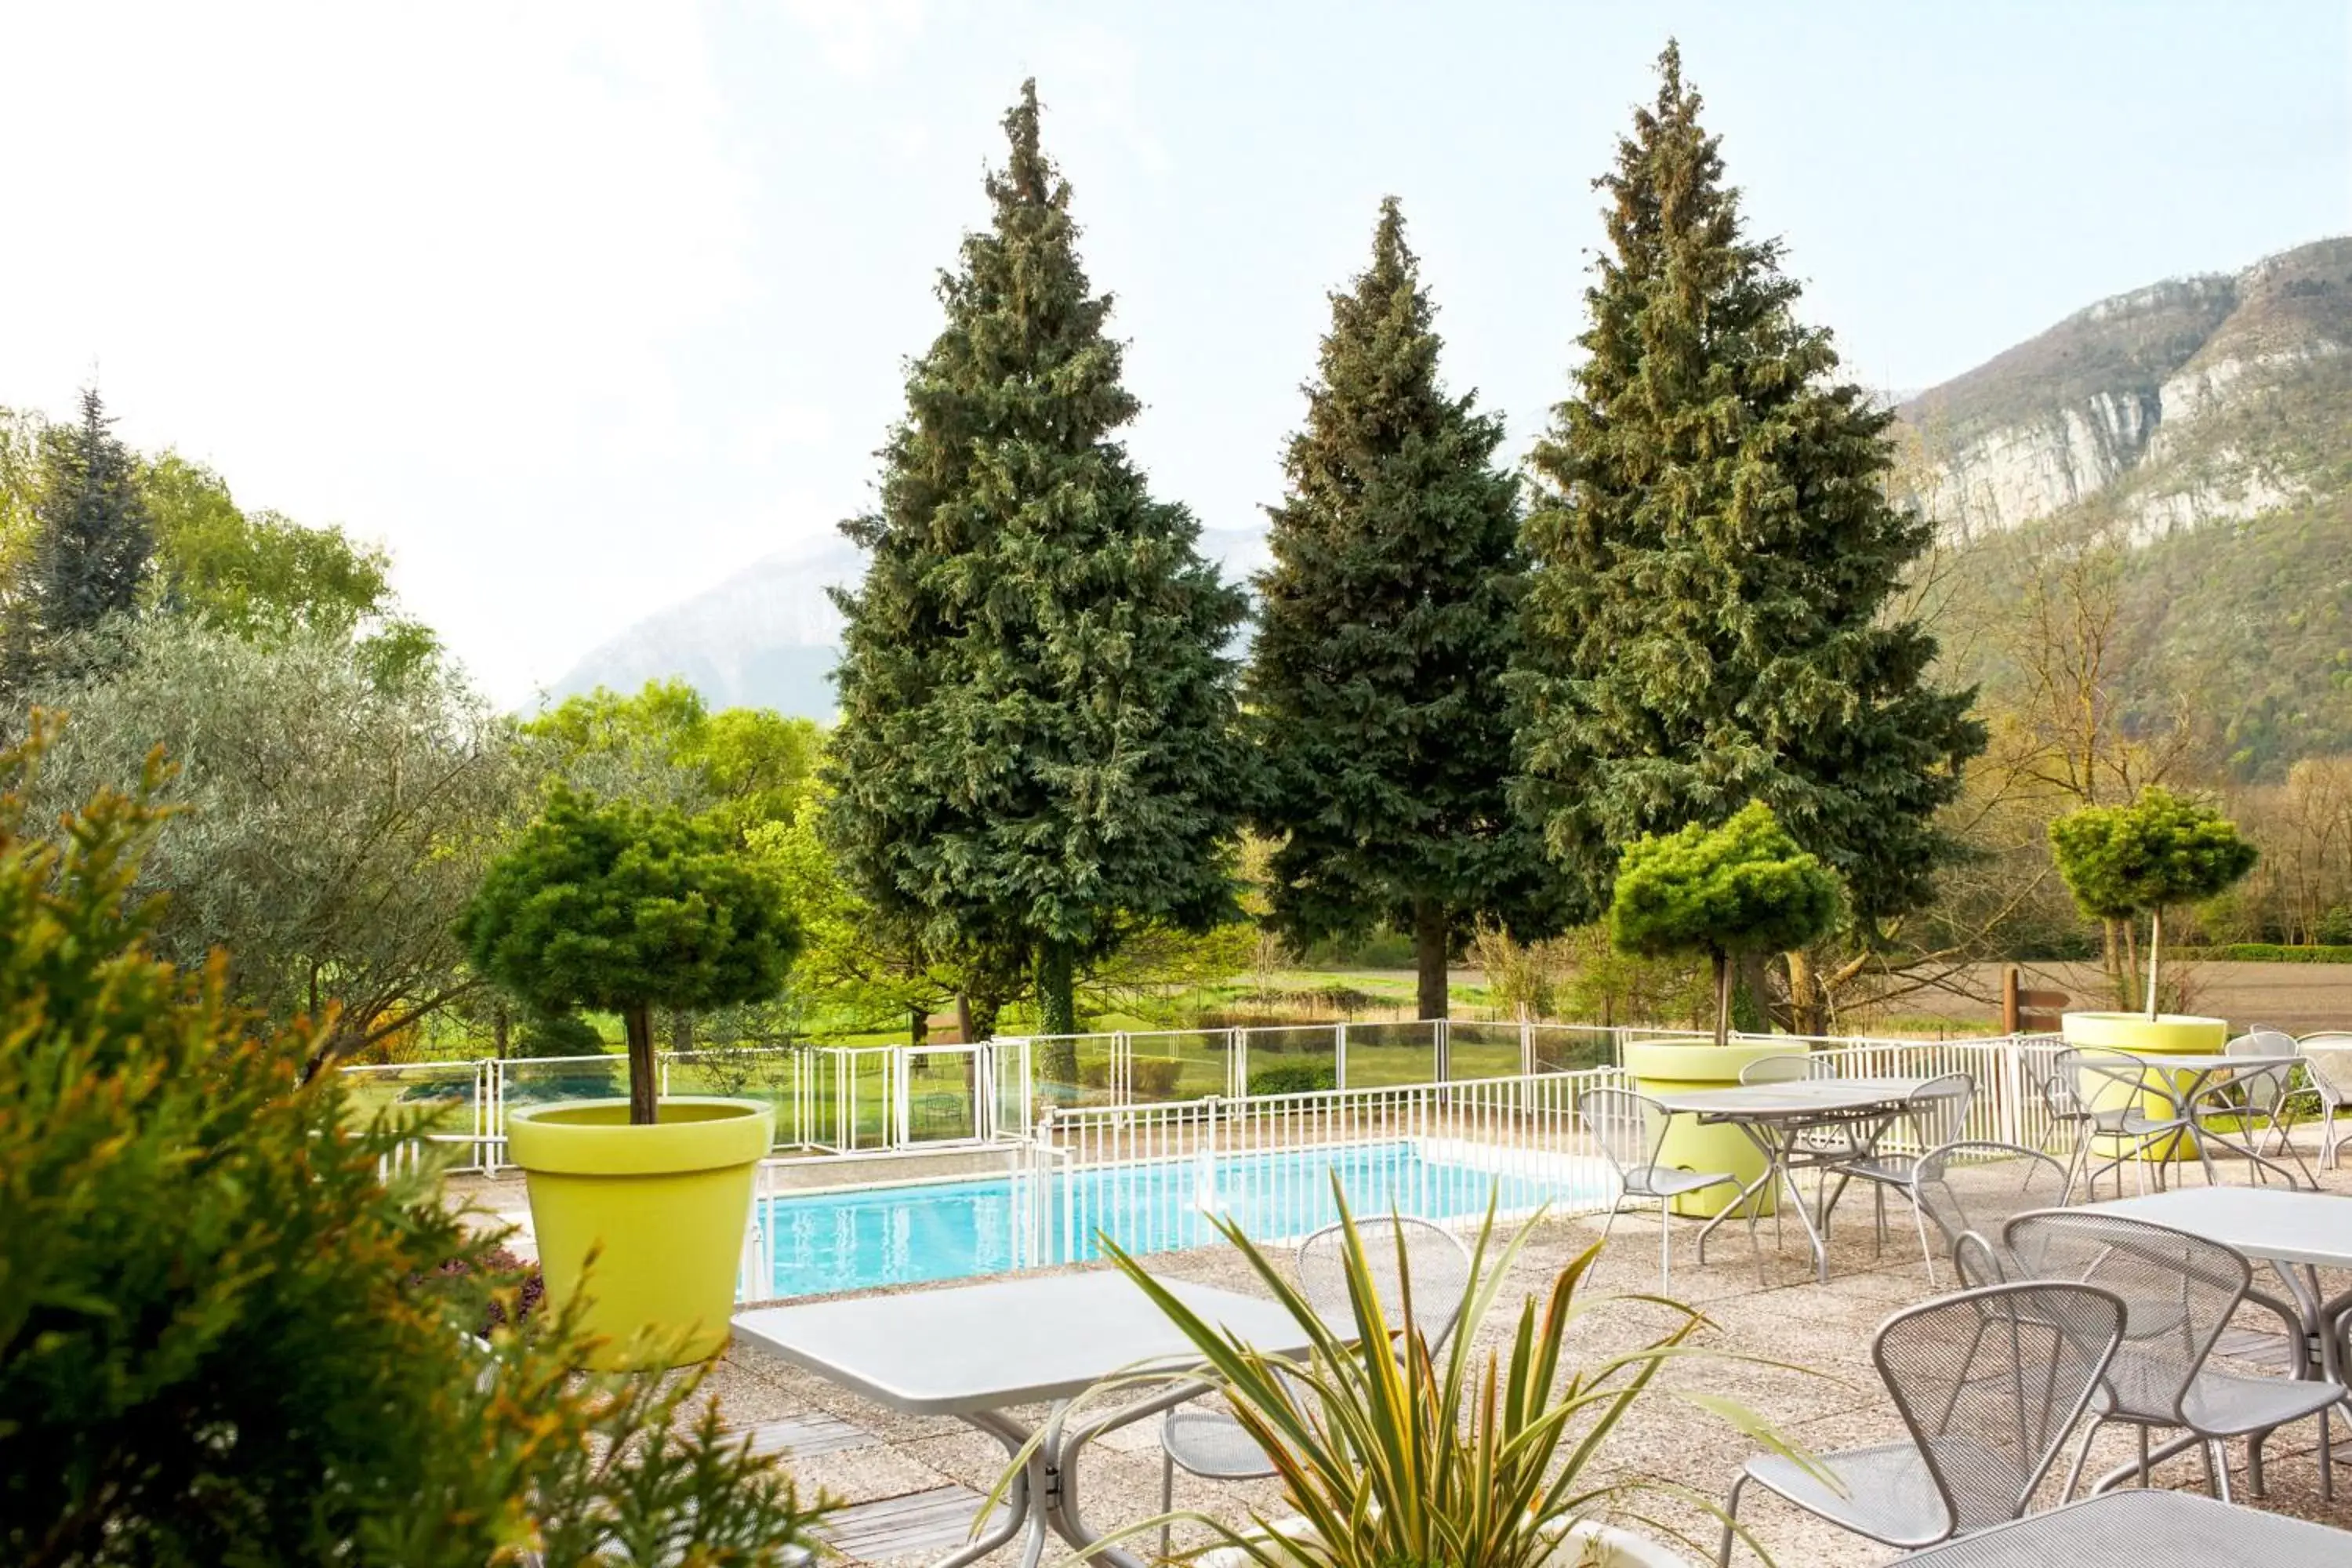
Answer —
1293 1077
2273 952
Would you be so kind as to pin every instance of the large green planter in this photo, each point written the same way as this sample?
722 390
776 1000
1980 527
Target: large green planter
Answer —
2168 1034
1669 1067
663 1207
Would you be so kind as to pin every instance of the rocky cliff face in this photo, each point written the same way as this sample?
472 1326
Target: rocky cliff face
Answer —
2165 406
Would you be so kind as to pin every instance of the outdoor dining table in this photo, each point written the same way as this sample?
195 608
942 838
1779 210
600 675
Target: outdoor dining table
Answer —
1775 1117
979 1352
2145 1529
2296 1231
2184 1078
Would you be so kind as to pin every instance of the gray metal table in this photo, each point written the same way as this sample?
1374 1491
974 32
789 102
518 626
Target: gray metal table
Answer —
2145 1530
975 1352
2294 1231
1776 1116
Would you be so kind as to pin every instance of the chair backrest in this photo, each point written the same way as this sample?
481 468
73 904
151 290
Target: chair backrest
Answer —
2107 1085
2263 1088
2177 1291
1989 1383
2261 1040
1939 1113
1969 1190
1406 1256
1626 1127
2327 1062
1788 1067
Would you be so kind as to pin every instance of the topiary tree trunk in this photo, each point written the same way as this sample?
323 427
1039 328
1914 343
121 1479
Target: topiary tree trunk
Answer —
1722 961
637 1022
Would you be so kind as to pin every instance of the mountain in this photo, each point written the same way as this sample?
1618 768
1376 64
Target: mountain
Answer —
2204 426
766 637
769 637
2196 400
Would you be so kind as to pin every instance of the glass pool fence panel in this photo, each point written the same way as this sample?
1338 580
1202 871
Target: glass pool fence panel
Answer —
1389 1055
769 1073
525 1082
1076 1069
865 1097
1482 1050
450 1107
1164 1066
1572 1047
1013 1110
942 1096
1290 1058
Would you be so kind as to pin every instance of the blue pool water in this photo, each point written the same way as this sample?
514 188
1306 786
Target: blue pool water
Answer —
957 1230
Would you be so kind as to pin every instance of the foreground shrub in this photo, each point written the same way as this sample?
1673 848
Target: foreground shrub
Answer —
222 1340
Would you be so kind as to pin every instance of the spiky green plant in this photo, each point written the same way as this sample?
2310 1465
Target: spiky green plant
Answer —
1396 1461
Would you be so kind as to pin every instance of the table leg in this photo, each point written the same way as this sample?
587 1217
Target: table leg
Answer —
1859 1148
1746 1200
1023 1501
1779 1151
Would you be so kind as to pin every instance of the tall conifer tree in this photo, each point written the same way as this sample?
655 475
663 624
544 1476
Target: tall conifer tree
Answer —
94 542
1386 624
1708 621
1037 730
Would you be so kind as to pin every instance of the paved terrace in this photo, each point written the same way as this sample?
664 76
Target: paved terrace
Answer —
911 1484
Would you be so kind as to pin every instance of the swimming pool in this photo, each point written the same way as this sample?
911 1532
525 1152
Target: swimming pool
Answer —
957 1230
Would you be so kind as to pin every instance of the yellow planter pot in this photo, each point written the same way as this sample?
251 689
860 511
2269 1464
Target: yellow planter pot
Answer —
664 1207
2168 1034
1672 1066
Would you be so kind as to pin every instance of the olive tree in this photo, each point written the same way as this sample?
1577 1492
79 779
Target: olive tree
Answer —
622 907
1740 887
327 824
2124 861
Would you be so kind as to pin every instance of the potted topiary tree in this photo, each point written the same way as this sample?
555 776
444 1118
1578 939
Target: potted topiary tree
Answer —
622 909
1725 892
2123 861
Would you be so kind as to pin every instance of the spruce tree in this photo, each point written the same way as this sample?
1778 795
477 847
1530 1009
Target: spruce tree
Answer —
93 541
1708 620
1037 732
1386 624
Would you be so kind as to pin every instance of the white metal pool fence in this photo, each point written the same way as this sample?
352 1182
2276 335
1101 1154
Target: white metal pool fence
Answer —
1084 1167
834 1100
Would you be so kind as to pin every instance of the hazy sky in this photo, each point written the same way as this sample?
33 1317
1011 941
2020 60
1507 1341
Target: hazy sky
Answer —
581 307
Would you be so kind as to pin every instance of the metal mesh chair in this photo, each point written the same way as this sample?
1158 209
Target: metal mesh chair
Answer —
1831 1144
1935 1116
1630 1130
2179 1292
2110 1092
1989 1383
2327 1068
1435 1276
1434 1279
1969 1190
2252 1103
